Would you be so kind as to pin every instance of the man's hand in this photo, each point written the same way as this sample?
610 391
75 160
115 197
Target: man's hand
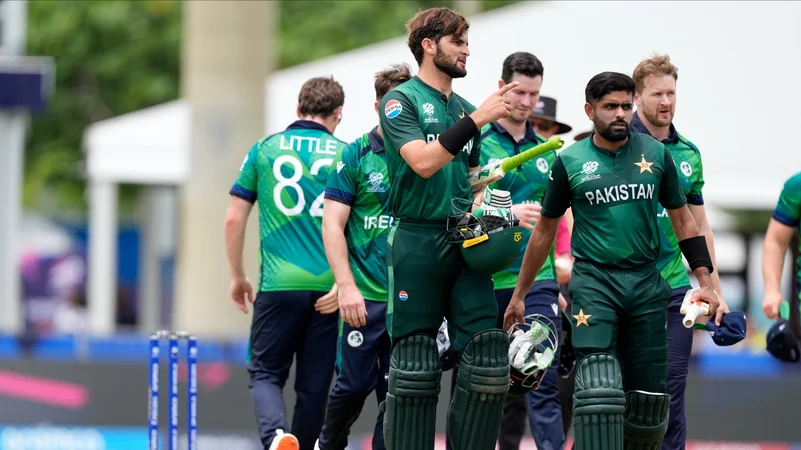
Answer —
722 309
351 306
327 304
495 107
707 295
770 304
562 302
241 292
564 268
528 213
515 312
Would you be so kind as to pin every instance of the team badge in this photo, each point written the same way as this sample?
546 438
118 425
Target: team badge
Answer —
542 165
686 168
581 318
355 338
644 165
403 296
393 109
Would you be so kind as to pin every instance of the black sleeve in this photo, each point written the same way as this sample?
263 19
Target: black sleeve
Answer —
558 195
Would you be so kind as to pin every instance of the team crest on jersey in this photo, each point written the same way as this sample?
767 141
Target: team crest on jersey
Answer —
686 168
542 165
355 338
375 179
393 109
428 109
589 167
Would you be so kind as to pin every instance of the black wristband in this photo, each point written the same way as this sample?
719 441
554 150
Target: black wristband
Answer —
457 136
696 252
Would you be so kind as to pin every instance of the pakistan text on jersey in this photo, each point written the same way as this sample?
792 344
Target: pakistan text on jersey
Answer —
467 148
620 193
382 222
308 144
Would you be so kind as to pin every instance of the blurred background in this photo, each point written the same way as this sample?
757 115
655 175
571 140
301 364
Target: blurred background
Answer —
123 124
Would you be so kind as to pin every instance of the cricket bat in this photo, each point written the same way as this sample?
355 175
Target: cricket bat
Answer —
495 171
692 308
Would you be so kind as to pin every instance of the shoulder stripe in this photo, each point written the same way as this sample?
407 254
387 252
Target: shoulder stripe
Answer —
490 131
687 142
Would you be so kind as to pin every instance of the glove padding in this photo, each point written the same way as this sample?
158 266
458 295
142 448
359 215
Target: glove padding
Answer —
523 354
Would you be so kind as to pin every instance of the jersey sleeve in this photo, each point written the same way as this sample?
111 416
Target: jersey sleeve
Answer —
694 196
557 194
670 194
399 121
788 209
246 184
342 183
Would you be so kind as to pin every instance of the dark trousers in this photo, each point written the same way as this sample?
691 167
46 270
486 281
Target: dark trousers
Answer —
286 326
680 345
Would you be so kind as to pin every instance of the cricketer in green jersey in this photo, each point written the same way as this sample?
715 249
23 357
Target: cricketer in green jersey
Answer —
613 181
294 311
655 79
432 143
784 224
355 228
507 137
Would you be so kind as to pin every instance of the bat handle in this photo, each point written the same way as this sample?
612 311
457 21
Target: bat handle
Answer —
693 311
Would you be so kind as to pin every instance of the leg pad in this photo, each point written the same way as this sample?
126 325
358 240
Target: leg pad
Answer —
646 420
598 403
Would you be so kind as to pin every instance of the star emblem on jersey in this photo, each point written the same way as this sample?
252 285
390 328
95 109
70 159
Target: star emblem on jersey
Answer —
644 165
581 318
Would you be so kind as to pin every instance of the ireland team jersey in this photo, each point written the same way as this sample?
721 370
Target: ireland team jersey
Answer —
286 173
526 184
416 111
361 182
691 178
614 198
788 209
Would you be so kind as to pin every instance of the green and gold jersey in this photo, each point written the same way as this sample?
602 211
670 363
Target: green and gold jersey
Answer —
416 111
788 210
361 182
526 184
286 174
687 159
614 199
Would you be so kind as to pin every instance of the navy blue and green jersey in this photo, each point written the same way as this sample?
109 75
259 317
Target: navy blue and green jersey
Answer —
286 173
361 182
614 196
788 210
415 111
526 184
687 160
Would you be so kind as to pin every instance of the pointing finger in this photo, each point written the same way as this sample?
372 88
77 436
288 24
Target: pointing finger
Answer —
507 87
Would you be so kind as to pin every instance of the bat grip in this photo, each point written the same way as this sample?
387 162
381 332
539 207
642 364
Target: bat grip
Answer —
514 161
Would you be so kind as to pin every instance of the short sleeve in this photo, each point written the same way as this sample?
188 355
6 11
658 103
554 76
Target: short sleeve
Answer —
788 209
343 182
246 184
558 195
670 193
695 196
398 120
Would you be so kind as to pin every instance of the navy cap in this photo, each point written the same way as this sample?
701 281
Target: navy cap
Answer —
781 342
731 330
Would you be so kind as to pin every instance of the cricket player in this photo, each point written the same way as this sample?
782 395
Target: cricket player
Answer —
294 309
783 224
355 229
655 79
432 143
613 181
507 137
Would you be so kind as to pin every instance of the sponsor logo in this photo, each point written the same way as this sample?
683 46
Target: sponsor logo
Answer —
403 296
392 109
340 166
589 167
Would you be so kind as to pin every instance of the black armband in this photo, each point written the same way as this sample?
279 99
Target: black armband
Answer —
457 136
696 252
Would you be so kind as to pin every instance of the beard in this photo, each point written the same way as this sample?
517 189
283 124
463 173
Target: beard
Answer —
443 63
653 117
610 134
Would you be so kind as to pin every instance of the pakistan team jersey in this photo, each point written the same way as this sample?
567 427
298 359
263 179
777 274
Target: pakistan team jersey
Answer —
614 198
526 183
416 111
361 182
788 209
691 178
286 174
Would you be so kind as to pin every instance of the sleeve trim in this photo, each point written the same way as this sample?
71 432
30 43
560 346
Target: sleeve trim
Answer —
551 214
243 193
695 199
785 219
339 196
676 205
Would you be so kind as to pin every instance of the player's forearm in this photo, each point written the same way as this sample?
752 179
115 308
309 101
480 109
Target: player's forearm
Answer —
235 245
426 159
706 230
683 223
772 264
539 246
336 251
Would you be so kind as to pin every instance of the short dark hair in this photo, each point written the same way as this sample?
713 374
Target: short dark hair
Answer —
523 63
320 96
433 23
606 82
388 79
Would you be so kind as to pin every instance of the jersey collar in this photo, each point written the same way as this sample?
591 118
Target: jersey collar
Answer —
531 135
307 124
638 127
376 142
431 89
